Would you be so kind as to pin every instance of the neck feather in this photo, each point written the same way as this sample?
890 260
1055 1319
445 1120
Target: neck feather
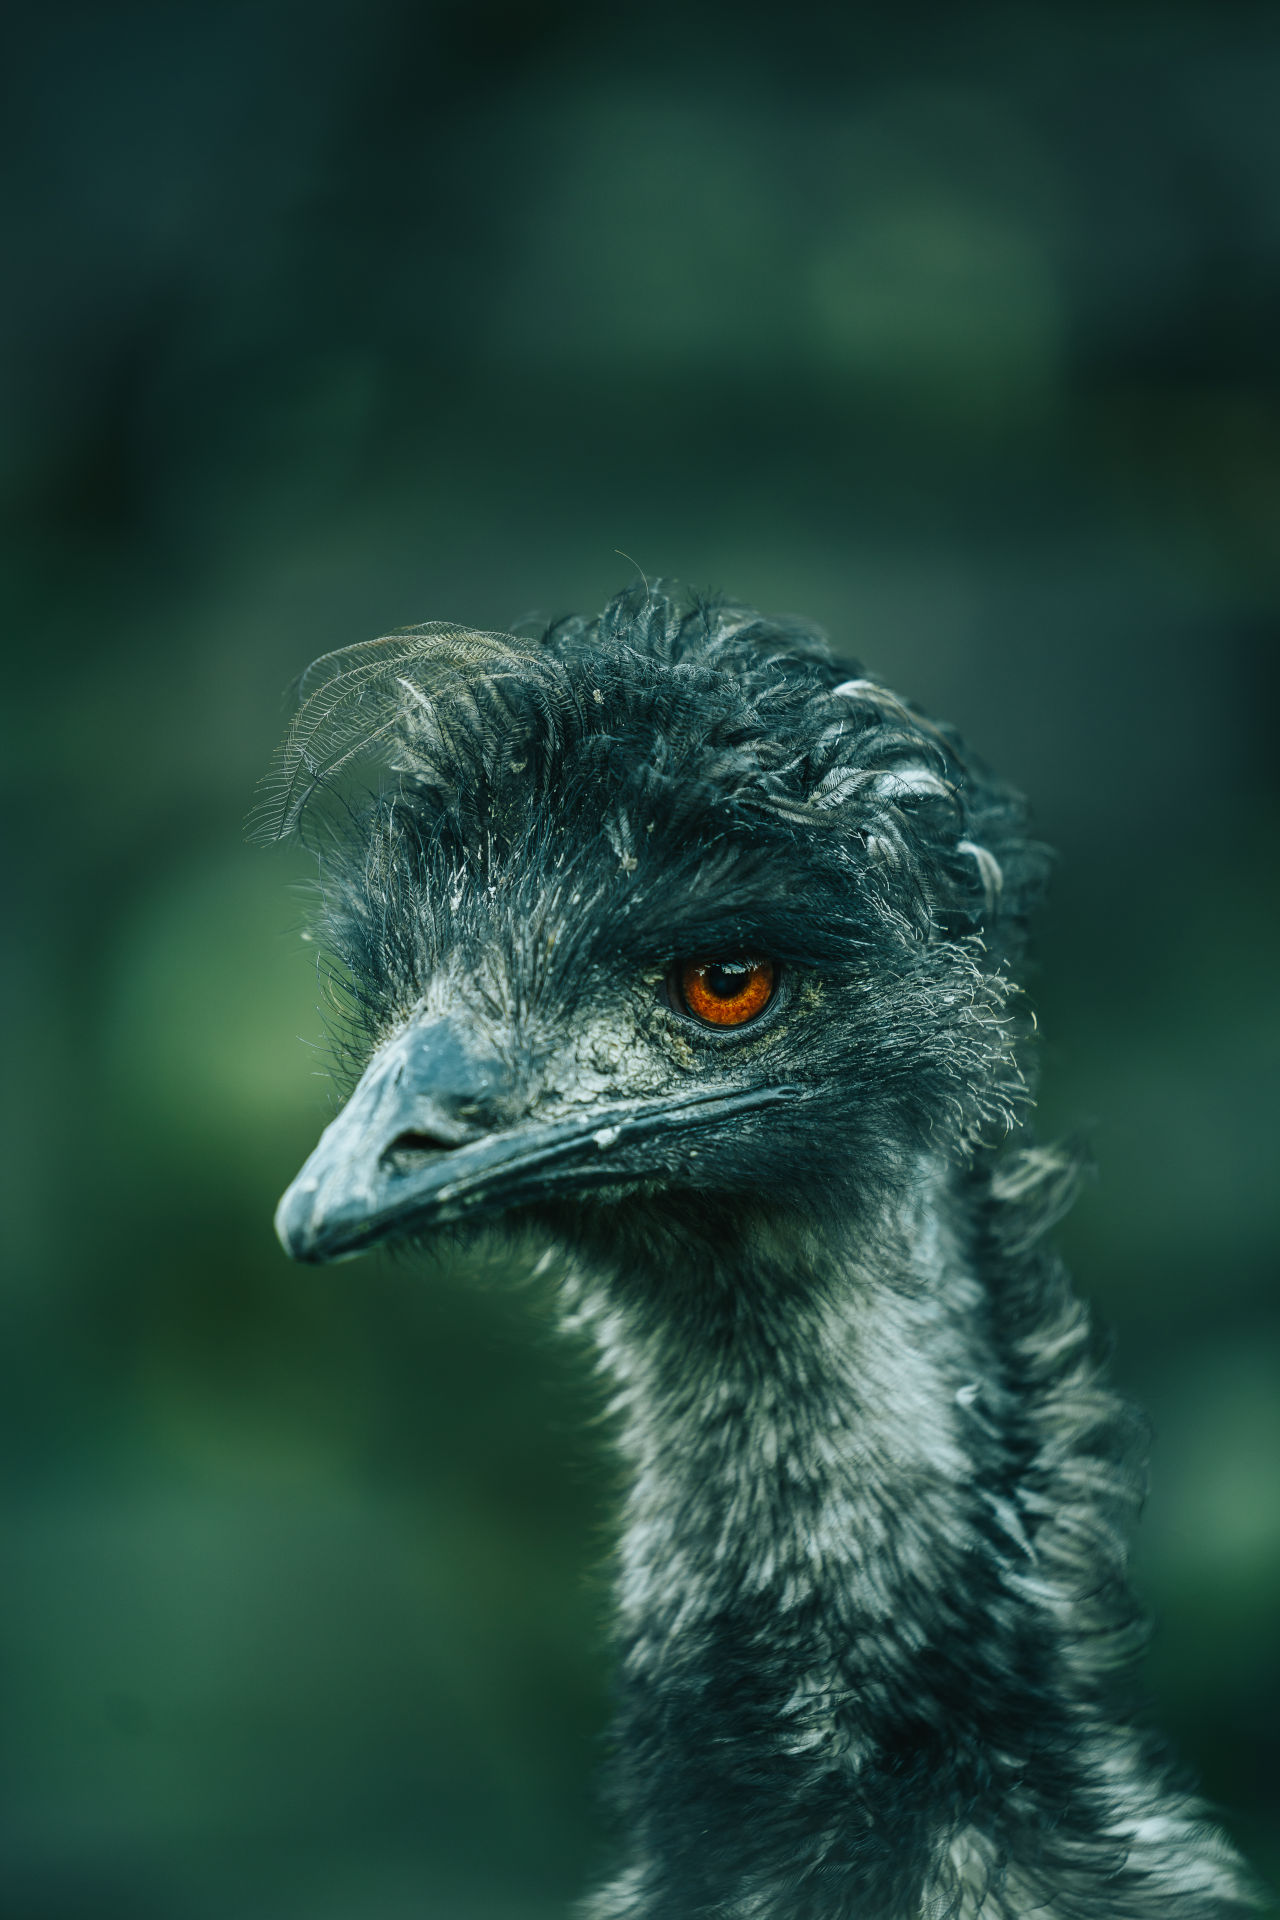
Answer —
868 1520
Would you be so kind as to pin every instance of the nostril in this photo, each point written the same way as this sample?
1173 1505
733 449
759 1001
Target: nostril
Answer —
418 1141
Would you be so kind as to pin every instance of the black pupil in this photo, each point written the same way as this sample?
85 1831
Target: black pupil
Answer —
726 978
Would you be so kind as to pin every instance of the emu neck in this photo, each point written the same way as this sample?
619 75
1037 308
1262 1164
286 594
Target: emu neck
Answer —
798 1421
798 1441
802 1427
870 1584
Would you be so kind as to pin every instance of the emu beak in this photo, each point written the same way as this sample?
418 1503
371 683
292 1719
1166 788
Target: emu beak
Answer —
421 1143
423 1097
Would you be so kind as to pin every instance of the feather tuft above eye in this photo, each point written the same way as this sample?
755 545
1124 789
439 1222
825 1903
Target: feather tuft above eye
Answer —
670 708
382 700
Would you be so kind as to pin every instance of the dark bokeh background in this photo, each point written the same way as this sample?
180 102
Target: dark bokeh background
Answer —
954 328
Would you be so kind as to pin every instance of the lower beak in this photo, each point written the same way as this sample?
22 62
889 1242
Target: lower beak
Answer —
415 1147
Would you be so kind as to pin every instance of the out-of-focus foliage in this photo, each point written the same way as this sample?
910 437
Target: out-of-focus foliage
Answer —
954 327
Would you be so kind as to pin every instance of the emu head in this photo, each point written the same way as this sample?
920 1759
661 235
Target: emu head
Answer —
660 920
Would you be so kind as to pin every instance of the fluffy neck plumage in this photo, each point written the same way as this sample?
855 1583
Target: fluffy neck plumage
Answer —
848 1684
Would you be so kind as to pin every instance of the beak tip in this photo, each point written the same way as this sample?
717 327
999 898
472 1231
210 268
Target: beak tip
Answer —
297 1223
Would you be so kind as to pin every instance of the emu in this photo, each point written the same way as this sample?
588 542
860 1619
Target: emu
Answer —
688 949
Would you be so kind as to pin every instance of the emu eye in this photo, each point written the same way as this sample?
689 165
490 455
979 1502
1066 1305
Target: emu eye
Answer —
726 993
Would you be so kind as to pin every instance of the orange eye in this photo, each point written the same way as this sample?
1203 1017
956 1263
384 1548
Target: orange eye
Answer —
727 993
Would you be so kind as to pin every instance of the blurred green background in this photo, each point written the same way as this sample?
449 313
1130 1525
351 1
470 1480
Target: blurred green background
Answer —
953 327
